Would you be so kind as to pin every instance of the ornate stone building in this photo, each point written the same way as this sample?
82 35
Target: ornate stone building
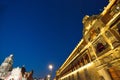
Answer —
97 55
7 72
6 66
19 74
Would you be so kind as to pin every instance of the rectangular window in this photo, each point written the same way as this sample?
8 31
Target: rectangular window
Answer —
106 18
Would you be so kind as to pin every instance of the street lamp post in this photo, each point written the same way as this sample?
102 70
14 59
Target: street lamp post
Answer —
48 77
50 68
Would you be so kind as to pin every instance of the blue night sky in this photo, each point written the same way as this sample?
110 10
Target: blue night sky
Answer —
42 32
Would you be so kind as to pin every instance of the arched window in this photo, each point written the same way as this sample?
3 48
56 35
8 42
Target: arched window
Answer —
87 60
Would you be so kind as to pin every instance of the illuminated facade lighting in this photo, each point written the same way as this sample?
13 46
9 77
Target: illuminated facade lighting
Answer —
97 56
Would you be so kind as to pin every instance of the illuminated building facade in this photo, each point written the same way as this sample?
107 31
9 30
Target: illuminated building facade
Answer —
97 55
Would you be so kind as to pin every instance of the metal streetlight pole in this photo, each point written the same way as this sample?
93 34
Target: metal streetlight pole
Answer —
50 68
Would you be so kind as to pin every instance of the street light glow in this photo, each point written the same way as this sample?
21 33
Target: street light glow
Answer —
50 67
48 76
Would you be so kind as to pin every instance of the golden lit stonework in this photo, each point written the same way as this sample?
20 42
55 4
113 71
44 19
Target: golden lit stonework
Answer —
97 55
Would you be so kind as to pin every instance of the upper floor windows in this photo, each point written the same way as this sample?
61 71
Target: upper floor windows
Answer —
100 47
93 33
115 9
